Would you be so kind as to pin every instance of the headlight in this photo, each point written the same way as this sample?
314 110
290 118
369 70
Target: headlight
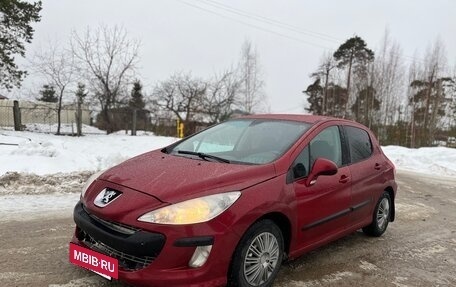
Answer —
196 210
90 181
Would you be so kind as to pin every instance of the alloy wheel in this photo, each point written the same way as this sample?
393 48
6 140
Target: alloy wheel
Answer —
261 259
383 213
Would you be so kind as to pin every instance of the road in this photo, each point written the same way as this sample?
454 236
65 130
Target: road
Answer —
418 249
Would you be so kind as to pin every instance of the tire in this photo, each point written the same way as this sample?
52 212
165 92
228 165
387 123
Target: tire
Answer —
255 263
381 216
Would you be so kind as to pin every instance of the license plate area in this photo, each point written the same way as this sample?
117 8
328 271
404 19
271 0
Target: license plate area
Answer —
101 264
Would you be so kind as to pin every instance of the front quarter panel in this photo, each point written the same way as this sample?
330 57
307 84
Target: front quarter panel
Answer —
266 198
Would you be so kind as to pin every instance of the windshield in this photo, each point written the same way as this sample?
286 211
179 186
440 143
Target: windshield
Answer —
249 141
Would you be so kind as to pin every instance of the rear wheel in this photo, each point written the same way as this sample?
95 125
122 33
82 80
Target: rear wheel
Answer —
258 256
381 217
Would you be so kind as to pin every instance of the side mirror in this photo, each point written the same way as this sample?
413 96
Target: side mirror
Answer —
321 166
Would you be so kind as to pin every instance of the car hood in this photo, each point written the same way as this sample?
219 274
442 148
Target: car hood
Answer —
174 178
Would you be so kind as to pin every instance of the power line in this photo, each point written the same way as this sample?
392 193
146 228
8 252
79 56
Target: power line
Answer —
275 23
271 21
254 26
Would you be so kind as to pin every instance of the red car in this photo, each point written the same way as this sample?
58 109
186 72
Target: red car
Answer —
227 205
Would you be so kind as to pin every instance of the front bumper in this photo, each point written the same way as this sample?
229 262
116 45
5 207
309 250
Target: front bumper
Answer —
134 248
149 258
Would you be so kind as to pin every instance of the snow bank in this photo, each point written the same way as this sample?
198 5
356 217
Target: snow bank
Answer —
25 183
39 153
429 160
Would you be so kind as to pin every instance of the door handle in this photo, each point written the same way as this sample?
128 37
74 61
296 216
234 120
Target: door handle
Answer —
344 179
377 166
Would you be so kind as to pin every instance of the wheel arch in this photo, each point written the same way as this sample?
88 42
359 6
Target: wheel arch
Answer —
284 224
281 221
390 191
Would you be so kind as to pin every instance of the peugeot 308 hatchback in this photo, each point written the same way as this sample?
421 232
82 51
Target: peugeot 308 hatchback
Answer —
227 205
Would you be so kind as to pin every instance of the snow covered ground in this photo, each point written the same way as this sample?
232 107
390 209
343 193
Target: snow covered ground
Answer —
44 172
41 153
439 161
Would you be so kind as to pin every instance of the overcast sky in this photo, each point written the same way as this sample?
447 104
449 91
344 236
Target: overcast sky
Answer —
194 35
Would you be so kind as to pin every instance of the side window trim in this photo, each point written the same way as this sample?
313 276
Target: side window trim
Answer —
345 146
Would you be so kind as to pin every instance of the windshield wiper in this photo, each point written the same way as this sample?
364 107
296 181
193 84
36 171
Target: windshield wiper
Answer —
204 156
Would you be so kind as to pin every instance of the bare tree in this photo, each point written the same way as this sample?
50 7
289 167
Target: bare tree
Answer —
181 95
57 66
222 93
389 79
452 111
430 92
252 94
412 105
108 60
366 103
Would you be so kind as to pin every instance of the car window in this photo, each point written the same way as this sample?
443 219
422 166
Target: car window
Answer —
221 140
301 164
326 145
251 141
359 142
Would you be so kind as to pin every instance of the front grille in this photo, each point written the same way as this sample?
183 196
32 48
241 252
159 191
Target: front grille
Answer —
126 261
132 247
116 226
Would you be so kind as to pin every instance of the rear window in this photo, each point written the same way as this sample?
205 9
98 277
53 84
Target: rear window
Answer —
359 142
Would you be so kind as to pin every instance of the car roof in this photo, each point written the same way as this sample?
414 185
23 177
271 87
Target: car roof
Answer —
312 119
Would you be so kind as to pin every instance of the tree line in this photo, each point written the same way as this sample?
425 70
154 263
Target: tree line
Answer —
409 101
100 66
238 89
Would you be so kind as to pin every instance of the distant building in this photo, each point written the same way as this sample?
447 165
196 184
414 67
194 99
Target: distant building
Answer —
3 97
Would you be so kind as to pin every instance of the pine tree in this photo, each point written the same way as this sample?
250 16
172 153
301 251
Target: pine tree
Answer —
354 55
315 98
48 94
81 94
15 30
137 98
337 100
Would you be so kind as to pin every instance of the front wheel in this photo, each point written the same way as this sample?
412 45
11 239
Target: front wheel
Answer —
381 217
258 256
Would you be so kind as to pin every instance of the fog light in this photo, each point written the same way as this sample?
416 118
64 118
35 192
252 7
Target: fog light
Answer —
200 256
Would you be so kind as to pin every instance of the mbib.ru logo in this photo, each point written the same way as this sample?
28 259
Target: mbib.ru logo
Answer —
94 261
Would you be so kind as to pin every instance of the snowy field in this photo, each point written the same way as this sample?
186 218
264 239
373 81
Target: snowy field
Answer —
44 172
43 153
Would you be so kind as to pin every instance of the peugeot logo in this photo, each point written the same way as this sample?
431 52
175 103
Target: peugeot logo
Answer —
106 196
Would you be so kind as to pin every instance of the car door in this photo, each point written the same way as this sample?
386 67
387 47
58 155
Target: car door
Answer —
366 167
322 208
